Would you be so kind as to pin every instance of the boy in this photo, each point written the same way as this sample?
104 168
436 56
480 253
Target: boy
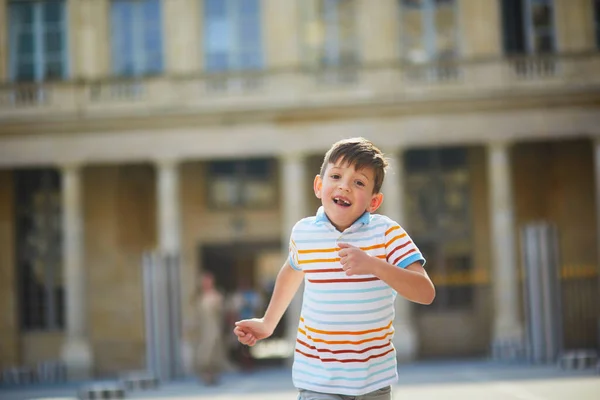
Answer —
353 263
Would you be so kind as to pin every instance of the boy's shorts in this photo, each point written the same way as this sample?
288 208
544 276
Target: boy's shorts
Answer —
379 394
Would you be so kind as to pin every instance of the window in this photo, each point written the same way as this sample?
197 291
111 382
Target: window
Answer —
37 40
232 35
429 30
439 221
528 26
39 249
242 183
331 32
137 47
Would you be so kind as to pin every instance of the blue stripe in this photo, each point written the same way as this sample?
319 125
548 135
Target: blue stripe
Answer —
339 291
361 378
373 300
407 261
347 312
292 264
312 384
373 321
343 239
344 369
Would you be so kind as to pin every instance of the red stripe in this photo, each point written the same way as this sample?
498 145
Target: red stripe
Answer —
319 271
402 256
342 280
345 361
343 351
397 248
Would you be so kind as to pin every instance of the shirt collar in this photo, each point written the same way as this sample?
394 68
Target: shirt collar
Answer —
364 219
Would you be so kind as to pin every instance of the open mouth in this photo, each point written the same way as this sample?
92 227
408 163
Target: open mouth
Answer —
341 202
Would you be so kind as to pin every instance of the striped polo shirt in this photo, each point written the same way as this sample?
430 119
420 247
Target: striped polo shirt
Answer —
344 343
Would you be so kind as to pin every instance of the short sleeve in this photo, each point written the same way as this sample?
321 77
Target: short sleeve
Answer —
400 250
293 253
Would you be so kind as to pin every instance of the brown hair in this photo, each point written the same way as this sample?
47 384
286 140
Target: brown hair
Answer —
360 153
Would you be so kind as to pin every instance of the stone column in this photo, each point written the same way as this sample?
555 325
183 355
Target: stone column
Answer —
294 208
596 148
4 61
182 35
76 351
282 19
507 330
169 227
405 337
89 49
168 206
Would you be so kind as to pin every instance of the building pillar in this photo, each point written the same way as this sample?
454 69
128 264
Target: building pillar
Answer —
89 49
168 207
405 336
596 149
294 208
182 35
76 351
4 61
282 19
169 242
507 329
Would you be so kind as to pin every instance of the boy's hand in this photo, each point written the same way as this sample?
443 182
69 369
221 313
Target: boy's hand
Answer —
250 331
354 261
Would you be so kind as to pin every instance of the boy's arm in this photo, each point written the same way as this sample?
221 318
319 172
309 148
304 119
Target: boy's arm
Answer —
411 282
286 285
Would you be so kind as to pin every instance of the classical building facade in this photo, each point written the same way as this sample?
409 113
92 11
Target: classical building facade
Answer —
196 127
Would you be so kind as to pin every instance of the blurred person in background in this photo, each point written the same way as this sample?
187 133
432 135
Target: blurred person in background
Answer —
209 307
353 264
246 303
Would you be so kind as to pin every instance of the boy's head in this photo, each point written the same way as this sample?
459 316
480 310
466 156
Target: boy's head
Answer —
350 180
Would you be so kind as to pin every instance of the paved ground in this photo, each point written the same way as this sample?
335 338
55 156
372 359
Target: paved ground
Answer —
424 380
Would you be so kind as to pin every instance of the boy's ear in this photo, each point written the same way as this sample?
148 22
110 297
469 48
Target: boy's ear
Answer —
376 201
317 185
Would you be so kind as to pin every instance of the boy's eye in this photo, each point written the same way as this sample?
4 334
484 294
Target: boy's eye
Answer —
335 176
360 183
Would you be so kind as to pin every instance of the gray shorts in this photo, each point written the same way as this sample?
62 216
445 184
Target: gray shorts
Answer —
379 394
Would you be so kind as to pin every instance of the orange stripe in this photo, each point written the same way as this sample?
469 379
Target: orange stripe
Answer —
311 251
318 251
346 332
345 361
394 239
382 256
361 351
317 260
393 228
343 280
317 340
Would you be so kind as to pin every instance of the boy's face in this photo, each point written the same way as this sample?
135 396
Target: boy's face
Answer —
346 193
